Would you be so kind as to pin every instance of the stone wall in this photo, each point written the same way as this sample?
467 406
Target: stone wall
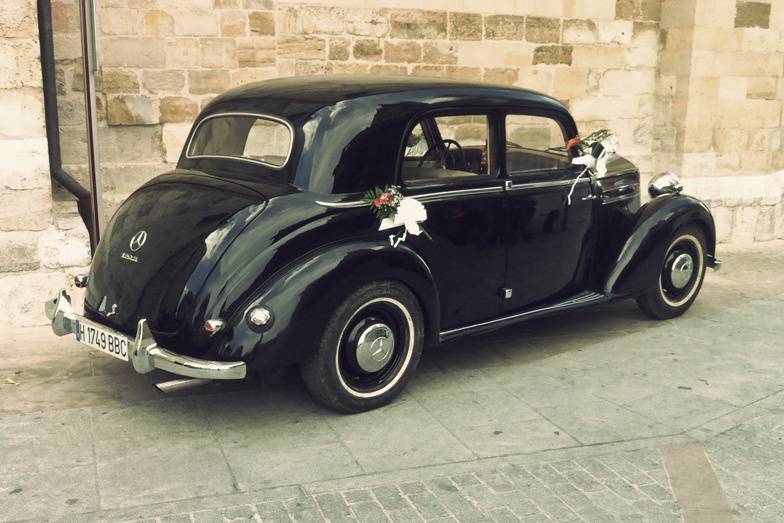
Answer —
36 257
693 86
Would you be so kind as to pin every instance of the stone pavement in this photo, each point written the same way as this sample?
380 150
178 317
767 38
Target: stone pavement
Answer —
599 415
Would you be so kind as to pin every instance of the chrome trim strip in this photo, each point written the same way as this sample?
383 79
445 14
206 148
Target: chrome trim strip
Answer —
341 205
584 298
542 185
144 353
241 158
620 187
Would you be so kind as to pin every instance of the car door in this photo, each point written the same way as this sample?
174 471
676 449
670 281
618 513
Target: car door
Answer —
463 195
550 214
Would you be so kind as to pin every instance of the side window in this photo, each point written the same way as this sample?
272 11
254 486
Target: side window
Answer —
445 147
534 143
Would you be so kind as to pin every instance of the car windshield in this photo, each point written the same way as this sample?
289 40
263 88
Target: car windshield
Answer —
259 139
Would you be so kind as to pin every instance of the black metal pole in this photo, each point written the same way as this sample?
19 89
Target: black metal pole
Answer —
49 80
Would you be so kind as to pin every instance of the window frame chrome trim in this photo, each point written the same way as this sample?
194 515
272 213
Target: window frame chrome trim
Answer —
261 116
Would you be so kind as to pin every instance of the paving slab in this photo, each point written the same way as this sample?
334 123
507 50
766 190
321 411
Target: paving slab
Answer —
558 418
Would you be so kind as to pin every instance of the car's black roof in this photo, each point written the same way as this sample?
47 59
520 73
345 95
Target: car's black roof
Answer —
292 94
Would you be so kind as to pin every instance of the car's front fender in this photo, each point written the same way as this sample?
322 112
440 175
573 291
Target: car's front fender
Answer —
303 295
642 253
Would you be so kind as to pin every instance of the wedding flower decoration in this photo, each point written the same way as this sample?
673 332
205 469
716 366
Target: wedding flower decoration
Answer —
596 149
395 210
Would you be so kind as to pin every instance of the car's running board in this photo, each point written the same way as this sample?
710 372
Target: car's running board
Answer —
580 300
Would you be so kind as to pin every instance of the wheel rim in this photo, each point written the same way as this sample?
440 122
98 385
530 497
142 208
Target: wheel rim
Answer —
680 274
375 348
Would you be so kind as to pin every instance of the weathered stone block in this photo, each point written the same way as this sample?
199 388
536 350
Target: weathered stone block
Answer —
19 19
158 23
255 52
763 88
19 252
119 81
312 67
174 136
60 249
570 82
218 53
553 55
305 47
614 32
252 74
622 82
460 72
504 27
257 4
388 69
351 68
262 22
130 144
579 32
366 22
638 9
641 57
133 52
465 26
226 4
163 81
403 51
339 48
439 53
752 14
195 22
114 21
593 9
22 113
25 164
433 71
176 109
132 109
206 82
233 23
501 75
542 30
367 49
428 25
27 211
598 56
311 19
182 53
19 64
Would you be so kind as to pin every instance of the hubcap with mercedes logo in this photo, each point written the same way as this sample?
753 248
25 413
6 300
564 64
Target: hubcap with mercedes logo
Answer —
137 242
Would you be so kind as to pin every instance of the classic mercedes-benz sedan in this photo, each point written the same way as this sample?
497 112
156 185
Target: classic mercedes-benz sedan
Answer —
342 224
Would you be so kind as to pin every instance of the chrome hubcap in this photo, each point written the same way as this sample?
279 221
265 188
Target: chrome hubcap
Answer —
375 347
681 271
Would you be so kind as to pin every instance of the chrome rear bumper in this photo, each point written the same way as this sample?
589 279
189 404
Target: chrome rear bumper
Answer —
144 353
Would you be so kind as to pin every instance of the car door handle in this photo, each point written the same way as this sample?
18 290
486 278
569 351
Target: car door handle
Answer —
589 197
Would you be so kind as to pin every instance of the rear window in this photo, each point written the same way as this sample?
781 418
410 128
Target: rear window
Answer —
260 139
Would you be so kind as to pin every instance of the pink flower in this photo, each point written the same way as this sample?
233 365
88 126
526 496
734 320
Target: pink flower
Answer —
384 199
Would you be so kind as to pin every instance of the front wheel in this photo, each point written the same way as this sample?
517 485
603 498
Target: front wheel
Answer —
680 276
369 349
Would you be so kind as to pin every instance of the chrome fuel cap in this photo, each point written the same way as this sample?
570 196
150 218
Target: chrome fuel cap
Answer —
681 271
375 347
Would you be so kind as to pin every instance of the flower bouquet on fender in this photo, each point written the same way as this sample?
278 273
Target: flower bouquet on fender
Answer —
396 210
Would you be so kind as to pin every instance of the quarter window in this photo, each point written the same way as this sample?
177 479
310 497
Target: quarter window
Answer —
534 143
447 147
245 137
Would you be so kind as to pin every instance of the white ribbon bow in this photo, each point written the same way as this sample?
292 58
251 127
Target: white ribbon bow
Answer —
409 213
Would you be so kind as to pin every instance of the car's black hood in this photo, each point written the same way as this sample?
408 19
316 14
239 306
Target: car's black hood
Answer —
187 219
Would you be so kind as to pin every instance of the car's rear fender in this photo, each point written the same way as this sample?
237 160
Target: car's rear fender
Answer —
641 254
303 295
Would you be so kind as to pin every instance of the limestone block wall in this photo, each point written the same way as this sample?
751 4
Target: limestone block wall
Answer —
163 60
35 256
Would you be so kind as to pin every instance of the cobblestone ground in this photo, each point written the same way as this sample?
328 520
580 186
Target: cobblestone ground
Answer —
628 486
594 416
749 461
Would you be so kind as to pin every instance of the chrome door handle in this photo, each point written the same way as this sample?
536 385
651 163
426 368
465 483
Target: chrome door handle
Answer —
589 197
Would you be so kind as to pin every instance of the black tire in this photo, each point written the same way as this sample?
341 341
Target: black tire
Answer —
379 325
668 296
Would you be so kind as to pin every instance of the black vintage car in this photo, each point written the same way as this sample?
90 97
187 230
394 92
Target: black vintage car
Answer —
259 251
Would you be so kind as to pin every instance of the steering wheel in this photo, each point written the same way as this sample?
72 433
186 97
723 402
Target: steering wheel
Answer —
445 144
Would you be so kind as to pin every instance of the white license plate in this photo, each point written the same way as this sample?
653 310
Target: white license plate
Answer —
105 341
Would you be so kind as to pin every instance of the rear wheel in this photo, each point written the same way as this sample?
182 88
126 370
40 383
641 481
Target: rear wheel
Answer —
680 276
369 349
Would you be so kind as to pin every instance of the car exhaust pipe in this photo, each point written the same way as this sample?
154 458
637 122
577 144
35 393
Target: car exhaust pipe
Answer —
177 385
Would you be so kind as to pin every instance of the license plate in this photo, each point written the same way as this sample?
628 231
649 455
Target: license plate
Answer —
102 339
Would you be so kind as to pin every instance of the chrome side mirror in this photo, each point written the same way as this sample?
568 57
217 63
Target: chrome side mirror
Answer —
664 183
